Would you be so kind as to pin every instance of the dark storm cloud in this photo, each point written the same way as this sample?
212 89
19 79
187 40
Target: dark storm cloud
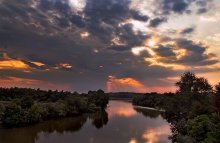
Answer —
118 48
103 19
182 6
157 21
137 16
202 10
195 53
165 51
128 36
187 30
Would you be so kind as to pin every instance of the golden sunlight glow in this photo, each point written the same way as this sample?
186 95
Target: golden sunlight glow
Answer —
117 41
180 53
32 83
211 76
19 82
39 64
152 42
124 84
137 51
154 135
155 61
84 35
13 64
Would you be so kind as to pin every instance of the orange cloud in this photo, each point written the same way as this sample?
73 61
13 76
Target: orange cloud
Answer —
15 81
13 64
129 84
125 84
30 83
39 64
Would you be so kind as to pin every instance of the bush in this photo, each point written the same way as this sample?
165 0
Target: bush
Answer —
34 114
13 116
200 127
25 109
2 109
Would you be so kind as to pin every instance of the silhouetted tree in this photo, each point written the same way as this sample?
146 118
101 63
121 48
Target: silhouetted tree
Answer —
217 97
190 83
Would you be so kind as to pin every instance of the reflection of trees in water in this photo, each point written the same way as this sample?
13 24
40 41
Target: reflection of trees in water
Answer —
99 119
148 112
30 134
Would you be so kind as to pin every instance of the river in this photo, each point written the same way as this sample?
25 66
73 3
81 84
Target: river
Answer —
121 123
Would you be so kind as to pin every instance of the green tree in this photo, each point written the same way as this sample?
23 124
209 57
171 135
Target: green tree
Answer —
26 102
13 116
200 128
34 114
199 108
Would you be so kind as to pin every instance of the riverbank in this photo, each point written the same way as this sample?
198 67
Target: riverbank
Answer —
148 108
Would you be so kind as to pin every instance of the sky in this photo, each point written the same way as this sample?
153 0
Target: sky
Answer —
114 45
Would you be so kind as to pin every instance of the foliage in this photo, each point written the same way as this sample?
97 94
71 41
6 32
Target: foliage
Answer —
10 94
200 128
26 102
189 82
193 111
25 109
2 110
98 98
217 87
217 98
13 115
34 114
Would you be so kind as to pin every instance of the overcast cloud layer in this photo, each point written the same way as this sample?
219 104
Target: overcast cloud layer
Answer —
115 45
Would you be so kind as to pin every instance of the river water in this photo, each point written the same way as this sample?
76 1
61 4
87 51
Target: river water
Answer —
121 123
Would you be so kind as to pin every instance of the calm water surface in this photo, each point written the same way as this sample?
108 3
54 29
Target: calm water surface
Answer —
121 123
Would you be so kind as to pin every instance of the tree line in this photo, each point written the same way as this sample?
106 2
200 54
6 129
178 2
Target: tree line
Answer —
193 111
24 106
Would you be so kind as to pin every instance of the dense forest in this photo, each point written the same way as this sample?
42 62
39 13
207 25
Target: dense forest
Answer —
24 106
193 111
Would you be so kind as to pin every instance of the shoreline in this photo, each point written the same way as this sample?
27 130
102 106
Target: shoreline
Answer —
149 108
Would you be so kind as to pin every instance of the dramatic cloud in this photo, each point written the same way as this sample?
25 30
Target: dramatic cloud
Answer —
187 30
79 44
157 21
